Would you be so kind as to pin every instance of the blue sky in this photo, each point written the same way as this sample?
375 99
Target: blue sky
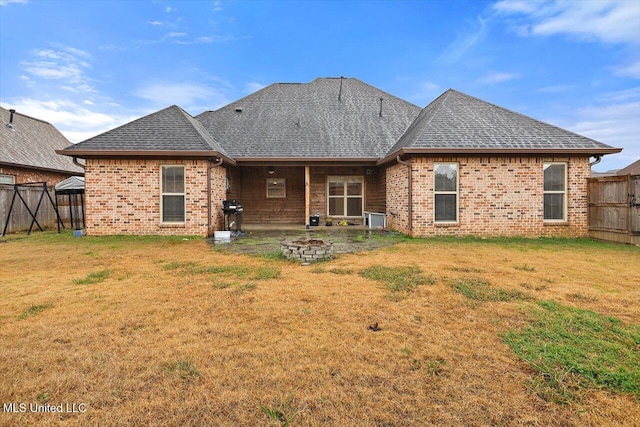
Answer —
88 66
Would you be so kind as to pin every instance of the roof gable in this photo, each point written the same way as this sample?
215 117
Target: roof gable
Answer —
170 129
327 118
32 143
456 121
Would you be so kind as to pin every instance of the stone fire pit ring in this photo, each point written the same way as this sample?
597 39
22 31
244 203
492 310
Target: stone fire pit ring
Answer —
307 250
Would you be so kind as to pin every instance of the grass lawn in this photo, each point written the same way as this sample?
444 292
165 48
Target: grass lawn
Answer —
170 331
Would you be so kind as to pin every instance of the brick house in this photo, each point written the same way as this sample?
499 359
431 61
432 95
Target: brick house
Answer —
340 147
27 151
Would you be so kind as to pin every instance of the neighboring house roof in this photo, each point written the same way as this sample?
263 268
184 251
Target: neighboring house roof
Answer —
31 143
327 118
611 172
632 169
456 122
169 131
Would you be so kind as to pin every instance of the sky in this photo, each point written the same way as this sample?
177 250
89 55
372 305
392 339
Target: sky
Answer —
89 66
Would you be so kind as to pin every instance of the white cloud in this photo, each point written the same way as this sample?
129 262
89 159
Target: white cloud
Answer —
217 6
608 21
204 39
75 121
613 120
253 87
191 96
631 70
169 9
6 2
175 34
555 89
464 41
155 23
621 95
515 6
64 63
493 77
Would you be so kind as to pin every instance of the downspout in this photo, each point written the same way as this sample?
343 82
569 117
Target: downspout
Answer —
596 161
209 208
410 174
77 163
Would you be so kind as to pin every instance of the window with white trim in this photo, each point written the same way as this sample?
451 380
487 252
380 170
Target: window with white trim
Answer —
276 188
172 194
345 195
555 191
7 179
445 190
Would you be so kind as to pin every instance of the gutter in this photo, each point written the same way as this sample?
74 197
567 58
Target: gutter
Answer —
77 163
145 153
410 177
443 151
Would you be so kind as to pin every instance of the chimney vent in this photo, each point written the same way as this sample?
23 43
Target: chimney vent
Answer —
380 113
340 92
10 124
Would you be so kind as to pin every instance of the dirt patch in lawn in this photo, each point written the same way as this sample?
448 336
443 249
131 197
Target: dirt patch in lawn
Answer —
345 240
180 333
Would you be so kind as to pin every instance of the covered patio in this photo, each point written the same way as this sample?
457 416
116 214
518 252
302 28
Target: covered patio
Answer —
288 193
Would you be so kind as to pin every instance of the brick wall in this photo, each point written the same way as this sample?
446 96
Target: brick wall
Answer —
397 208
123 197
497 196
218 194
23 175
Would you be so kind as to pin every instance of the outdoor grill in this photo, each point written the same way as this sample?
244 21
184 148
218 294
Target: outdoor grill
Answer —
229 208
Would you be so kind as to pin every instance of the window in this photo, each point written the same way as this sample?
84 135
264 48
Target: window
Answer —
7 179
555 191
445 192
345 195
276 188
172 192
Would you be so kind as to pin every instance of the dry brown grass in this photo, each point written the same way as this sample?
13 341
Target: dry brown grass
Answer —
180 345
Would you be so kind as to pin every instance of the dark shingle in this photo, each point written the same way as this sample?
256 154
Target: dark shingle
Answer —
171 129
32 143
308 120
458 121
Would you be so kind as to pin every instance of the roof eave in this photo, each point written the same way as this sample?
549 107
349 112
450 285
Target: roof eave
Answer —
145 153
245 161
40 168
503 151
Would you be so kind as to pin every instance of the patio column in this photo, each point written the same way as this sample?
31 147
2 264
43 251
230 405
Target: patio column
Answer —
307 194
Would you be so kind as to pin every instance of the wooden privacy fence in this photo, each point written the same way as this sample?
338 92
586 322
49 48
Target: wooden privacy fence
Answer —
614 208
20 218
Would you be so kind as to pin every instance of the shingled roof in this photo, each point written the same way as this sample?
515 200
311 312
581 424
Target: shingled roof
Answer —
171 131
333 118
456 122
32 143
632 169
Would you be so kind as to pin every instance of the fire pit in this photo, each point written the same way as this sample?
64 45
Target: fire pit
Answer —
310 250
